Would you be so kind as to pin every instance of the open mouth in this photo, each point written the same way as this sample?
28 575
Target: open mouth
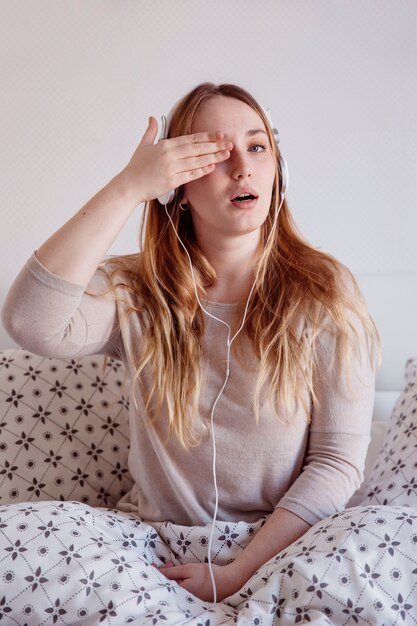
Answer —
244 201
244 197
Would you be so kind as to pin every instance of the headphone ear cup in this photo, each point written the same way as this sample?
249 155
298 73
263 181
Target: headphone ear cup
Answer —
284 174
283 167
167 197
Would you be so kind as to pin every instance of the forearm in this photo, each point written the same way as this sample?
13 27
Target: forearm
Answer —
281 529
278 532
75 250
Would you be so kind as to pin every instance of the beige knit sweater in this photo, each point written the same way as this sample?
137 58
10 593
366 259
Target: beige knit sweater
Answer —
309 469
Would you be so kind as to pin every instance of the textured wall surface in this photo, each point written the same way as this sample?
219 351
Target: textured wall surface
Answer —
79 80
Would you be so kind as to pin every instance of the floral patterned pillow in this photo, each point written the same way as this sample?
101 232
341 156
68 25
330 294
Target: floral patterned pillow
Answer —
64 432
393 477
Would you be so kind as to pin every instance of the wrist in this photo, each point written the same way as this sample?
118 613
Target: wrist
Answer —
236 576
125 183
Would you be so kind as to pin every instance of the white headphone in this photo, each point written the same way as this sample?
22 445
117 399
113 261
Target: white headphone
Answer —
166 199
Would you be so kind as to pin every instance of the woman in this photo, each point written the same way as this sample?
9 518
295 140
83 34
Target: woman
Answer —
292 424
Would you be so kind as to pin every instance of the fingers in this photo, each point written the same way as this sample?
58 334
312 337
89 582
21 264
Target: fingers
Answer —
199 155
190 149
202 147
194 171
202 162
199 159
167 564
195 155
196 138
178 572
199 144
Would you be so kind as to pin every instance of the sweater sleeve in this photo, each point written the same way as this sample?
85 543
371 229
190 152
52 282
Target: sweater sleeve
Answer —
339 432
50 316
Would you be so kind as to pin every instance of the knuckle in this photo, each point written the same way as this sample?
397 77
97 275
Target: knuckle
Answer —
171 180
164 146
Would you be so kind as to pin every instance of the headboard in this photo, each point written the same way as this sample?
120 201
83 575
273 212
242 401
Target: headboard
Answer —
392 302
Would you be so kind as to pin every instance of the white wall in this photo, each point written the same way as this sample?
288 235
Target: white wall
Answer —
80 78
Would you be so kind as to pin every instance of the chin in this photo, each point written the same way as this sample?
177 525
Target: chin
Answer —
246 229
251 217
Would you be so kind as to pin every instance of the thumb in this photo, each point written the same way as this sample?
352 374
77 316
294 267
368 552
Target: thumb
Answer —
150 132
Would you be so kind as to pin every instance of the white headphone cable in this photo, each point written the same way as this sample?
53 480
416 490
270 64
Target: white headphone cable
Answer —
229 343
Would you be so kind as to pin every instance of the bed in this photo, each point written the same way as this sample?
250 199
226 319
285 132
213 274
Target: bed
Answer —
64 438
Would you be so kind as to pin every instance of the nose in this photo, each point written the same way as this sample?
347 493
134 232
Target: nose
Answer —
239 163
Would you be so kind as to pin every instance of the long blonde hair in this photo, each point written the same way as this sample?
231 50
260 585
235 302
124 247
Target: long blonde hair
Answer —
300 292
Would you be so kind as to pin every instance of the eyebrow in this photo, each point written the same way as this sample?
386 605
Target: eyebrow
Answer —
255 131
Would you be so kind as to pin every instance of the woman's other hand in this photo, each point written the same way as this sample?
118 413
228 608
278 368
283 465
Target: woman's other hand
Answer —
195 578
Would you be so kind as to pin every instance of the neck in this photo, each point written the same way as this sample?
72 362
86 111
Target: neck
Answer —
234 263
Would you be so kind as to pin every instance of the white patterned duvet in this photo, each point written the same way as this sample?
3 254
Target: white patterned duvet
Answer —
68 563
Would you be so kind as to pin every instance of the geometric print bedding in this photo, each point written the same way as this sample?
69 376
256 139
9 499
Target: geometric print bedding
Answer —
64 432
67 562
393 477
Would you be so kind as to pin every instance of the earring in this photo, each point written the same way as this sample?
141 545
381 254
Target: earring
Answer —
183 207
